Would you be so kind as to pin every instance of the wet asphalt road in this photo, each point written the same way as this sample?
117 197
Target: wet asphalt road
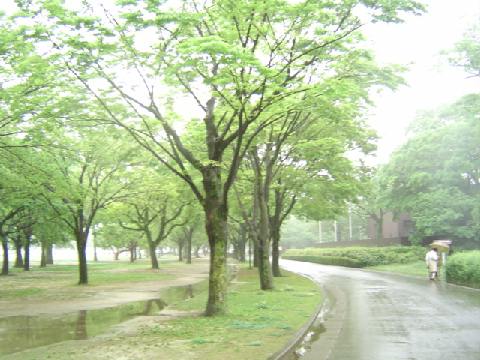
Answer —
377 316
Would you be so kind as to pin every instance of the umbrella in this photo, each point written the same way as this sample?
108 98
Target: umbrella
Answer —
441 245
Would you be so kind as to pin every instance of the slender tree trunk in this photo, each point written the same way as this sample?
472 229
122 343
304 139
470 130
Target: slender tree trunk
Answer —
43 254
264 267
276 252
256 253
18 250
188 247
94 241
216 215
26 261
50 254
379 225
242 243
5 254
180 250
133 249
116 255
196 251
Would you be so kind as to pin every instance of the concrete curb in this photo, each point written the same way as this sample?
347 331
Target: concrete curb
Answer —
300 334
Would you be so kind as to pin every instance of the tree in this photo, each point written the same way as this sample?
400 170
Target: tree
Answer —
85 181
235 60
435 176
120 240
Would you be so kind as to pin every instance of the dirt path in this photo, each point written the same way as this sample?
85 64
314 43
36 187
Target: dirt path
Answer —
102 296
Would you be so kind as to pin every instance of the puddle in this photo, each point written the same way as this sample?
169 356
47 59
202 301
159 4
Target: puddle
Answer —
19 333
314 332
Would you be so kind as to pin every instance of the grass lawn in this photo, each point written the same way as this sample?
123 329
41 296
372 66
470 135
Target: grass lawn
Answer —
417 268
60 281
257 324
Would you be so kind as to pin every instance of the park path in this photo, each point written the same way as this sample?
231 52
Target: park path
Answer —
378 316
104 296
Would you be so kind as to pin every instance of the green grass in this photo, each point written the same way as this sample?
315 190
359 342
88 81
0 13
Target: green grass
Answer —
257 324
61 280
417 268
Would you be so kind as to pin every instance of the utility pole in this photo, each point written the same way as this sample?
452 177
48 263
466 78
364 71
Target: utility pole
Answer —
320 231
335 227
350 229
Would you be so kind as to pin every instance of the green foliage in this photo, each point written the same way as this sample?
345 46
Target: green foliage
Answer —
467 52
464 269
435 176
358 256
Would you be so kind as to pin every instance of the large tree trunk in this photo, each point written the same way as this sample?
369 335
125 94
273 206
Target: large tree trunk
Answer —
216 214
49 254
82 257
153 255
5 254
18 250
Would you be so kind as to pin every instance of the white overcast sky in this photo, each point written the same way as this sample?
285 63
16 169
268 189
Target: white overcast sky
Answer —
417 43
431 81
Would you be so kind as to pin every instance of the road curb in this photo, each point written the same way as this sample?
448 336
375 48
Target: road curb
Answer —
289 348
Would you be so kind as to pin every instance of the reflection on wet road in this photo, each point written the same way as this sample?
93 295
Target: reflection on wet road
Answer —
388 317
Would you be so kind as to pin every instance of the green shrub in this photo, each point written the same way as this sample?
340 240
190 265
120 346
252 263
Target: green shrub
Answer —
464 269
358 256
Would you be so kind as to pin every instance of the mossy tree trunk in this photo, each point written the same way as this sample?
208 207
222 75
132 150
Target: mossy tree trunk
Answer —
216 214
82 258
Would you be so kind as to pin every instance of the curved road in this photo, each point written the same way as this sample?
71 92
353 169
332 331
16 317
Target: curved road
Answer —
378 316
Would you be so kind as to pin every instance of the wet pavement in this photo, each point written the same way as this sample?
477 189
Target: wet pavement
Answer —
378 316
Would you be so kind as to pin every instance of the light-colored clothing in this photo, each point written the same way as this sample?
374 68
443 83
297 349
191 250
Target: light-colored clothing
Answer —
431 259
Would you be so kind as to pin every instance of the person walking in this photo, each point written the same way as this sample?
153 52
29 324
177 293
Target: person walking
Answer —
431 259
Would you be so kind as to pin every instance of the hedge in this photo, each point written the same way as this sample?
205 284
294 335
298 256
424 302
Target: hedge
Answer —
358 256
464 269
